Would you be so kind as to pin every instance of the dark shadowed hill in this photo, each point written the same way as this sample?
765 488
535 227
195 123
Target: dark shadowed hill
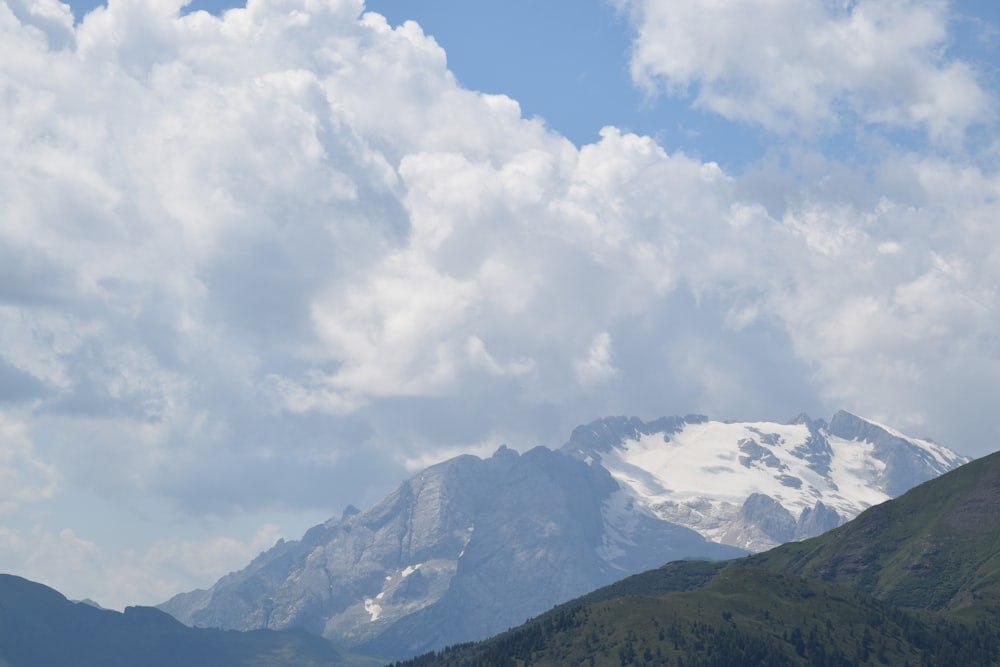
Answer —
41 628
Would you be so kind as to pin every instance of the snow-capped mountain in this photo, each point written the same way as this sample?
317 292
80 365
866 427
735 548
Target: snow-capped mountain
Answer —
469 547
757 485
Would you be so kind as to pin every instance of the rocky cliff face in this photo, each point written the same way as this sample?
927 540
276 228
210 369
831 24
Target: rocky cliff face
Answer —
463 550
470 547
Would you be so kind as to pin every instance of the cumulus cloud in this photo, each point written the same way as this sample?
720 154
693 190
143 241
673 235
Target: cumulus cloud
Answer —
50 19
810 66
280 257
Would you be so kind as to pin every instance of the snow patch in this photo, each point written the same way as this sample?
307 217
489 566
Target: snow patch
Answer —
687 468
854 473
373 608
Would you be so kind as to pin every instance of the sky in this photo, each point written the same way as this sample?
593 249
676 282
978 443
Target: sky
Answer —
261 262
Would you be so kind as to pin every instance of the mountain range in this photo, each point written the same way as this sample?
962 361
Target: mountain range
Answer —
470 547
912 581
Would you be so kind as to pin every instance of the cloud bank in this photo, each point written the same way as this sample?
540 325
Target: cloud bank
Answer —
809 66
272 258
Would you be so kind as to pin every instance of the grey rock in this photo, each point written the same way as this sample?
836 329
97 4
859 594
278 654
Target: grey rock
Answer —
816 521
762 520
603 434
755 453
465 549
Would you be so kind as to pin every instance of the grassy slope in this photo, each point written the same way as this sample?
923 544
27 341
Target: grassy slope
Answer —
744 616
936 547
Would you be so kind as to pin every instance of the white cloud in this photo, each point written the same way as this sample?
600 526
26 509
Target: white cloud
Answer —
49 19
78 567
598 365
431 454
479 356
805 66
25 478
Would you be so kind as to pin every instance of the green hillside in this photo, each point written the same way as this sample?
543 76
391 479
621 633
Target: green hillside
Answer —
743 617
936 547
915 581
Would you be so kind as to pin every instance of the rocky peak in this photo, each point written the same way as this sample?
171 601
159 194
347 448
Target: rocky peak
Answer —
852 427
463 549
908 461
603 434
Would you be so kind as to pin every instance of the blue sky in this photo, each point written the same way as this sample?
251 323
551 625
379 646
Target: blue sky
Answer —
258 265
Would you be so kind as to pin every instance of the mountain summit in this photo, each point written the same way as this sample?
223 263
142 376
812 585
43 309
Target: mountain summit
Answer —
471 546
755 485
